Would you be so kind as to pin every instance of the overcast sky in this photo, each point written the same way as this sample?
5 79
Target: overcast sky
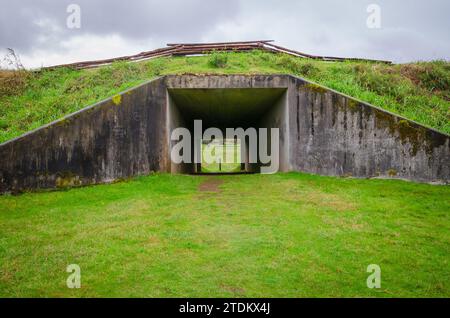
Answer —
410 30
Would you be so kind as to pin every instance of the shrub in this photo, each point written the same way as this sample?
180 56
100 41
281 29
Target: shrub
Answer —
297 65
434 78
218 59
308 69
3 124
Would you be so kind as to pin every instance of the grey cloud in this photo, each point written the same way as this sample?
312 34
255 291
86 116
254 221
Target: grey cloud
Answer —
411 29
137 19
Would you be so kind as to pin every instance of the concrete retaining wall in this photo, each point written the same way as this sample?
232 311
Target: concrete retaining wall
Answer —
108 141
324 132
332 134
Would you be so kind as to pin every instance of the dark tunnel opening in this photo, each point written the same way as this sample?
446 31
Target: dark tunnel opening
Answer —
227 108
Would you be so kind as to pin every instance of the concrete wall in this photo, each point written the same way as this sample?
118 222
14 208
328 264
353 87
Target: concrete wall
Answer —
278 117
325 133
332 134
176 120
105 142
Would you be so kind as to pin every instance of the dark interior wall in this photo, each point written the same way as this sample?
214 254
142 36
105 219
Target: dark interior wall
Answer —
106 142
224 108
332 134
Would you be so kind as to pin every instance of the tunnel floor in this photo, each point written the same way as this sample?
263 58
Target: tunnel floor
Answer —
221 173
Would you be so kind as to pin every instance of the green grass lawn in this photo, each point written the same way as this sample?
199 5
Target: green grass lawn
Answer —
284 235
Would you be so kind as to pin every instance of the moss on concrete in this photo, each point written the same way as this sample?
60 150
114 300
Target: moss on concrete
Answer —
117 100
406 131
353 105
67 179
392 173
316 88
63 122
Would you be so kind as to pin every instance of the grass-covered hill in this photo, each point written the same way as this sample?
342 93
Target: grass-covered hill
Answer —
418 91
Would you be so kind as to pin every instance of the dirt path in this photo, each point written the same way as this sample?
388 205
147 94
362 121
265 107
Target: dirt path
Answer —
210 185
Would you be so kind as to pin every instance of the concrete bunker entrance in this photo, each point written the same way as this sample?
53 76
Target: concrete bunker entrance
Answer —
224 108
320 132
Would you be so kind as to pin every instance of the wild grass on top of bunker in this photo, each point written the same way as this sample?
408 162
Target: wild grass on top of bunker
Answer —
418 91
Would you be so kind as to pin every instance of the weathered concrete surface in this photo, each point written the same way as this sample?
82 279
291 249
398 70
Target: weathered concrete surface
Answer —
106 142
322 132
278 117
332 134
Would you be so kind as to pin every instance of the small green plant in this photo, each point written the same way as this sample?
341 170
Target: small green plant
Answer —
3 124
218 59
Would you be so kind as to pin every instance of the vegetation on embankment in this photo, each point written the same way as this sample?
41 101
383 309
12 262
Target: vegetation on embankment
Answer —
418 91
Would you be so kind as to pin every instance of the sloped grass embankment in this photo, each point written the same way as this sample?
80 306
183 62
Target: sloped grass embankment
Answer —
418 91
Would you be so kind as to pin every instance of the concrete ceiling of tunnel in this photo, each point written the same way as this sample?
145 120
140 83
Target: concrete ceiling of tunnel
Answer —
225 108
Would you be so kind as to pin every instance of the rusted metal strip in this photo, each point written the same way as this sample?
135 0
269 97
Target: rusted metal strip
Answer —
137 57
325 58
182 49
220 43
280 48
